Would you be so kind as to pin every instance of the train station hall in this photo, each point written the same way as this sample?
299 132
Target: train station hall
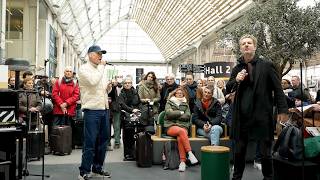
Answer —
160 89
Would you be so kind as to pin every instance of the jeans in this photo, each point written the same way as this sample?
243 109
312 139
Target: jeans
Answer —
96 137
213 135
116 127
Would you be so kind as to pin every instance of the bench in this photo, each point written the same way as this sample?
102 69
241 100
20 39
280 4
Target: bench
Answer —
196 144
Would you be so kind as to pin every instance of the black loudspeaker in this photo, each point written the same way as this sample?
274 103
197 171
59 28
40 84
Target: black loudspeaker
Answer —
284 169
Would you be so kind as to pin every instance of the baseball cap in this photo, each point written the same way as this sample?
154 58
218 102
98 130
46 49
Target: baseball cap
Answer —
96 48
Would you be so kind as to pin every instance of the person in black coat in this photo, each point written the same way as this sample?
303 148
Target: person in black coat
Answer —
166 89
258 86
129 101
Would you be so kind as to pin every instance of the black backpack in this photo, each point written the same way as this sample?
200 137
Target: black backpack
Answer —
289 145
170 155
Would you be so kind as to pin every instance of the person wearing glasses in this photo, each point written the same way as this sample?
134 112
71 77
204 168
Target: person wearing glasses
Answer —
94 89
166 89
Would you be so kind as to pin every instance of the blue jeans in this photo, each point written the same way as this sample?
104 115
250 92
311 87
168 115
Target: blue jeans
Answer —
96 137
213 135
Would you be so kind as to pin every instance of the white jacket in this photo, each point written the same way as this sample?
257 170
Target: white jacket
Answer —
93 86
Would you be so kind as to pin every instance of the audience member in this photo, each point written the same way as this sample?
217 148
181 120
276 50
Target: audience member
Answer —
177 124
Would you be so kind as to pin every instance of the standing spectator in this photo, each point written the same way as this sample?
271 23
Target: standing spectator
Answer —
221 86
207 116
149 94
94 102
129 101
29 102
11 82
258 89
65 95
167 88
26 74
191 88
177 124
115 110
217 93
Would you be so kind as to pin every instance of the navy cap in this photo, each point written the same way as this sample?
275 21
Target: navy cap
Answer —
96 48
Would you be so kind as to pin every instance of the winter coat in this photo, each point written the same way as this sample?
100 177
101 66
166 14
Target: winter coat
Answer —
191 90
148 92
63 92
173 115
34 101
129 100
164 93
212 115
267 91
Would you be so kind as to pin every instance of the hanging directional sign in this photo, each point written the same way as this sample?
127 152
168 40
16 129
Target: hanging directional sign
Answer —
218 69
191 68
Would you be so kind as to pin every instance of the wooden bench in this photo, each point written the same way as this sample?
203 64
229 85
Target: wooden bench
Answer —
196 144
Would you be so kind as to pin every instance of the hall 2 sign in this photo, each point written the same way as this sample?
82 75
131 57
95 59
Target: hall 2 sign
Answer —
218 69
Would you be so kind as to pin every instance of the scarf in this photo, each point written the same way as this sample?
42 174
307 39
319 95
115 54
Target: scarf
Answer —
206 103
178 101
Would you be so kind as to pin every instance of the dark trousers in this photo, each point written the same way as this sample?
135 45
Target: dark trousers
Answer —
96 137
128 141
240 150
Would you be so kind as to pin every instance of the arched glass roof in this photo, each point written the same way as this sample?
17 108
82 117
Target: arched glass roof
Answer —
127 42
171 24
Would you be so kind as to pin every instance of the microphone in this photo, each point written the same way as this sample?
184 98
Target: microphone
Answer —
109 64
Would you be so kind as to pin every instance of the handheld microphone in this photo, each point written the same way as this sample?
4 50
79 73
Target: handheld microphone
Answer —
109 64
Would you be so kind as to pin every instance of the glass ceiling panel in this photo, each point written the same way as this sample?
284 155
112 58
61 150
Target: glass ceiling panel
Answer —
127 42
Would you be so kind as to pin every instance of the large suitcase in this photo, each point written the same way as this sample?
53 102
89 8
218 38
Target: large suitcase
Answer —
77 133
61 140
143 150
35 145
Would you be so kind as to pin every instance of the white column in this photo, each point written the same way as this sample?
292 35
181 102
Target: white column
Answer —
2 27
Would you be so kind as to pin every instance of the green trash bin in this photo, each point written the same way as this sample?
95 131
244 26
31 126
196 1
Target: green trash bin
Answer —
215 163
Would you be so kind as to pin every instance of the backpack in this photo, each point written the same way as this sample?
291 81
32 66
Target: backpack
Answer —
170 155
289 145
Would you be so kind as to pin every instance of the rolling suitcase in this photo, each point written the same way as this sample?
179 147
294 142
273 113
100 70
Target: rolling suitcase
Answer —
35 145
143 150
61 140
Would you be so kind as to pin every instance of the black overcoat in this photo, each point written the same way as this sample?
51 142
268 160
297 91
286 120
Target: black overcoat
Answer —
267 91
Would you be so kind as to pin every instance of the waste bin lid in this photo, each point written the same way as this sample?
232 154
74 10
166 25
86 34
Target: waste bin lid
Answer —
215 149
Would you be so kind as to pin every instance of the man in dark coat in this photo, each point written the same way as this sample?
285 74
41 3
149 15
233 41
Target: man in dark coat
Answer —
257 86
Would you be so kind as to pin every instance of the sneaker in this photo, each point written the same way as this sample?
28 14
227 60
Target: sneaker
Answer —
83 177
182 166
109 148
101 174
257 165
192 158
116 146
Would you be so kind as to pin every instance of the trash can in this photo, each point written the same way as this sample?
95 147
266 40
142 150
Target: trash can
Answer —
215 163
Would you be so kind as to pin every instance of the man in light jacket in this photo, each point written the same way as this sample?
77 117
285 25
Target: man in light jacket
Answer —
94 101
